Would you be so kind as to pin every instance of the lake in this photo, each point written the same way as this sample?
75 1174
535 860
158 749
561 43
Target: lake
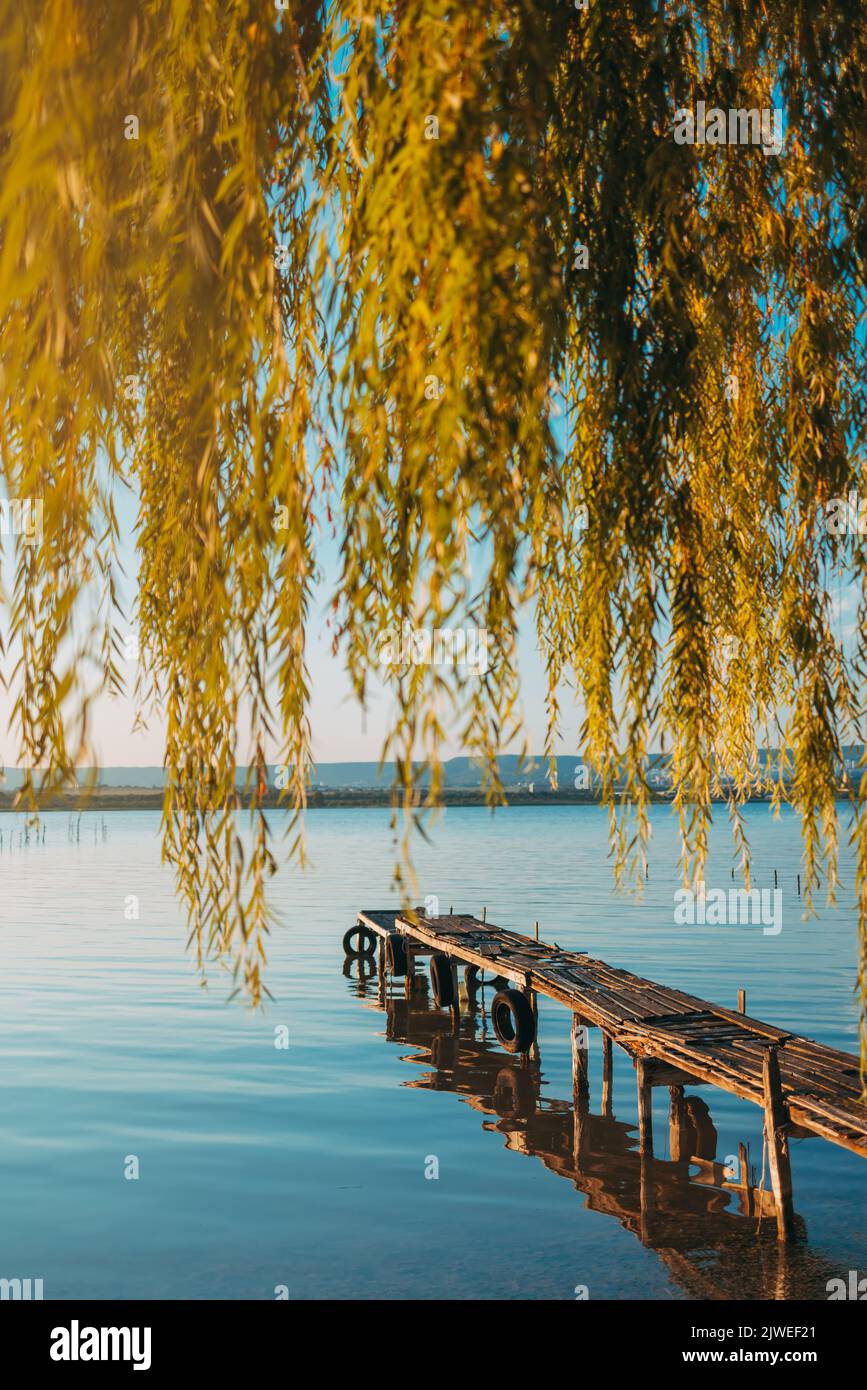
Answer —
305 1170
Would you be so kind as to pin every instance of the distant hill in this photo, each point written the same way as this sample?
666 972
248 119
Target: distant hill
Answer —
460 773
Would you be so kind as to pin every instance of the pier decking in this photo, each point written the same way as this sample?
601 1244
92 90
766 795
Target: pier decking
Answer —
805 1088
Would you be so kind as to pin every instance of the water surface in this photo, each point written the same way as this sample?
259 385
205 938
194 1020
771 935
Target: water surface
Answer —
304 1168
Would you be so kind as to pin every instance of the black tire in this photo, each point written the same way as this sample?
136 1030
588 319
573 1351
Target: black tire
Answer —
366 941
513 1020
395 954
442 982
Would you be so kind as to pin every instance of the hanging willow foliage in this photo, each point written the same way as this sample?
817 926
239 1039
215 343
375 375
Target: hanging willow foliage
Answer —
252 252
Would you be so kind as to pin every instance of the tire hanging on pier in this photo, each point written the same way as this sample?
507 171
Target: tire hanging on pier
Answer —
395 953
366 941
442 981
513 1020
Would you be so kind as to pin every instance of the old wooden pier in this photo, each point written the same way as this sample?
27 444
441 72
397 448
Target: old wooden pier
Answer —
675 1039
710 1223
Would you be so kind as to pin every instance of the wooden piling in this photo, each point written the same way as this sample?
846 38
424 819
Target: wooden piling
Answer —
684 1039
645 1109
383 984
407 986
778 1144
580 1070
607 1076
580 1090
742 1001
677 1143
534 1005
409 978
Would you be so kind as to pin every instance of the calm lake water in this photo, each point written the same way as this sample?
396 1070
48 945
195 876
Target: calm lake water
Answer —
305 1167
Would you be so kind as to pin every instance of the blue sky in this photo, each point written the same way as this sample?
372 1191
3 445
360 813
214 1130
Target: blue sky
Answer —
342 731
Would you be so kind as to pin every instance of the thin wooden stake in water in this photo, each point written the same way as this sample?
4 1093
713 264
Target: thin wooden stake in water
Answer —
744 1177
537 929
742 1001
484 914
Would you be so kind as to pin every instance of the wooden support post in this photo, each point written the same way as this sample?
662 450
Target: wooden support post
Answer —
778 1144
580 1078
742 1001
645 1110
537 929
580 1089
607 1076
534 1005
678 1142
484 914
409 978
382 980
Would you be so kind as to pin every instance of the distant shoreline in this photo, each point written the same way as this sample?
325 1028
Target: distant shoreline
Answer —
151 799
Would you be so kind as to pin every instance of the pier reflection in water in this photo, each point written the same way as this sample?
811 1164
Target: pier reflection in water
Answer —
712 1225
